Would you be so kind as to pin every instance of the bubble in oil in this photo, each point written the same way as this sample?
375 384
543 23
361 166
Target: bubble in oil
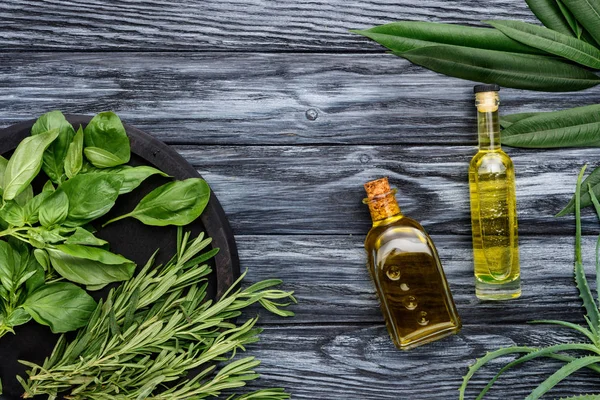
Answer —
410 302
404 287
422 320
393 272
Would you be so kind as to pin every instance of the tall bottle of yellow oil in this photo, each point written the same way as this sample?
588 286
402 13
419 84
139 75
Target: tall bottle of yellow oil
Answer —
493 206
413 293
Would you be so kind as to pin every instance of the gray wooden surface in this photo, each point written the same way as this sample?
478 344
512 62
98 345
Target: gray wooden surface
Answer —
286 114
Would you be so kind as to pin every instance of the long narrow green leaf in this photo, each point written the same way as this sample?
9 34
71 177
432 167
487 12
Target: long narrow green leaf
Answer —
580 279
593 181
508 120
521 71
576 28
575 127
544 352
583 397
408 35
566 324
550 14
597 208
550 41
561 374
483 360
587 12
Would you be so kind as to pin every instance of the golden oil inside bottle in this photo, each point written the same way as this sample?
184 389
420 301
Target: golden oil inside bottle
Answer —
411 286
493 209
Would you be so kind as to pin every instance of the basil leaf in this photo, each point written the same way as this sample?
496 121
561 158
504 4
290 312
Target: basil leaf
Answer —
26 163
85 237
106 142
54 209
54 156
175 203
74 158
50 235
25 196
62 306
132 176
38 278
48 187
10 266
90 265
42 258
18 317
90 196
32 208
3 164
13 213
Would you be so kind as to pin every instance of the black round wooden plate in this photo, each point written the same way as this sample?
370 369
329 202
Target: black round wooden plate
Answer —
129 237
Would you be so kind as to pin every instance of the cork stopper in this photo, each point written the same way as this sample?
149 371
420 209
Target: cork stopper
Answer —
381 199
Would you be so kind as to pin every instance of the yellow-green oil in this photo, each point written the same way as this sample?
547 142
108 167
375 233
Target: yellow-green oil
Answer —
415 299
493 209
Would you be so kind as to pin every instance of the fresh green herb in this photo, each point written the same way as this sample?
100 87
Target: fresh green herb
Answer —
106 142
54 156
174 203
52 229
142 341
591 332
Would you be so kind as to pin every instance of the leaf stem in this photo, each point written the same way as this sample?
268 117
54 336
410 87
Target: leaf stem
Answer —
116 219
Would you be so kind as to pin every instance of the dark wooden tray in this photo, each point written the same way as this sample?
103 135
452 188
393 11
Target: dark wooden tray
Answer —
128 237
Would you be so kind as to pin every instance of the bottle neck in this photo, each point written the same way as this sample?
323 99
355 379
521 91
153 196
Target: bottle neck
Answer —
383 207
488 126
488 123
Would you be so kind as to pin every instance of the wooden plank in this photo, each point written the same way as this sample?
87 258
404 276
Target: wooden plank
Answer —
329 277
293 98
202 25
359 362
318 189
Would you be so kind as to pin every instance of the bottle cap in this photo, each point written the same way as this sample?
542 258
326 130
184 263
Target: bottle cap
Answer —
377 187
491 87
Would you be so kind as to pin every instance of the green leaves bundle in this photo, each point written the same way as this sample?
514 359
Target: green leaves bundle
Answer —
142 341
515 54
49 234
590 348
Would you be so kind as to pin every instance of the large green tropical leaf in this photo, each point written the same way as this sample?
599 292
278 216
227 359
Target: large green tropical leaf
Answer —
551 15
575 127
408 35
587 12
508 120
521 71
550 41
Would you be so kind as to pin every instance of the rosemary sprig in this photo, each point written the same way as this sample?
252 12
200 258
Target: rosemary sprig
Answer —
148 334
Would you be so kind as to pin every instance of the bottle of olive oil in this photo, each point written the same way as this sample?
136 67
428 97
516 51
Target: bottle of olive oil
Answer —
415 298
493 206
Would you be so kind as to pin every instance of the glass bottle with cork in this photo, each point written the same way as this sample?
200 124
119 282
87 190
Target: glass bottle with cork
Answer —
411 286
493 206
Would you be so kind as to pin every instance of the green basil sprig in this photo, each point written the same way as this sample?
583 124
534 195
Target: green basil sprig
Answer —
175 203
54 156
106 142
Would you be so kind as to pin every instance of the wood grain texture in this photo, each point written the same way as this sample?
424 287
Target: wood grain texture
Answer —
318 189
234 25
346 362
329 276
292 98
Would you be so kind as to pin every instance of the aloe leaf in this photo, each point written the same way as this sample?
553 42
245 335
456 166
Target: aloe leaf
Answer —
408 35
520 71
566 324
561 374
580 278
597 208
575 127
587 12
545 352
550 41
550 14
508 120
593 181
485 359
